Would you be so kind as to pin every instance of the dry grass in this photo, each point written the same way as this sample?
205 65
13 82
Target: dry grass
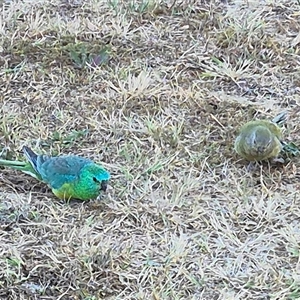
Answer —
156 90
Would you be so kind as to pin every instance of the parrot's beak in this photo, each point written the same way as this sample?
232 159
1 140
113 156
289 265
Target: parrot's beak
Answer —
104 185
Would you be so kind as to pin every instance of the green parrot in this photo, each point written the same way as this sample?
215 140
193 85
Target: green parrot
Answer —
68 176
260 139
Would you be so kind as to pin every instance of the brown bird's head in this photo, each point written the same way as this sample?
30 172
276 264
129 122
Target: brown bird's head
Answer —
260 140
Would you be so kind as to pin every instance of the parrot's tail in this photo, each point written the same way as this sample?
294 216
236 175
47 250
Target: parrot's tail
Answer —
280 118
31 156
35 161
19 165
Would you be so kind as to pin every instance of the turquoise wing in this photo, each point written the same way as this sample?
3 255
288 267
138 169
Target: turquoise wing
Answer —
56 171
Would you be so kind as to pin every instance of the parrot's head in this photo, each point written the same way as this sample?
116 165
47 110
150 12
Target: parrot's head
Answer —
96 176
260 141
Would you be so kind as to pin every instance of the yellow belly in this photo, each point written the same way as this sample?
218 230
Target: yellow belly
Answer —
65 192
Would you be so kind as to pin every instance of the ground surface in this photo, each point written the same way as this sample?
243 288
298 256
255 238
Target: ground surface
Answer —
156 92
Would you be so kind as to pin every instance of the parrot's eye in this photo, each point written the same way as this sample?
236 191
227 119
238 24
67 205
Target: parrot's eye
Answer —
95 179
